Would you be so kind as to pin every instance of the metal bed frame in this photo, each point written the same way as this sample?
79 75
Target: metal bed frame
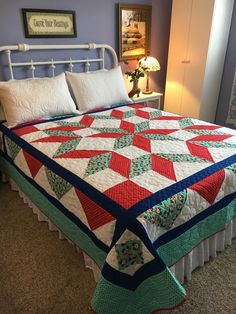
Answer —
101 48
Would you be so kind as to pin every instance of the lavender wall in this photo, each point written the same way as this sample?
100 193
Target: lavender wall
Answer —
96 22
228 75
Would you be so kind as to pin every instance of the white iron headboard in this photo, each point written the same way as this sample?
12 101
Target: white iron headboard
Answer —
52 63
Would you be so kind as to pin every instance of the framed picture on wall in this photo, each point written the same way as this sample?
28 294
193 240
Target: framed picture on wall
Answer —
39 23
134 30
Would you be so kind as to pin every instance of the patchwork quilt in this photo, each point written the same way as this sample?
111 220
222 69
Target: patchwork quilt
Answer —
135 187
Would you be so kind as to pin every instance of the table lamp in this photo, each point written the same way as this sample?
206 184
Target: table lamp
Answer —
151 64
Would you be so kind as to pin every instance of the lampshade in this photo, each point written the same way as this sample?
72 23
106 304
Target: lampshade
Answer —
150 63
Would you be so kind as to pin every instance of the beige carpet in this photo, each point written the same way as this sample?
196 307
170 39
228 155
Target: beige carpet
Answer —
41 274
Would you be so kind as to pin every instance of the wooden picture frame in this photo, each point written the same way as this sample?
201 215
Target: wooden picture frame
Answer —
134 30
39 23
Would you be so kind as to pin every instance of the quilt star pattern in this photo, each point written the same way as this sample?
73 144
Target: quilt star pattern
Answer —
129 177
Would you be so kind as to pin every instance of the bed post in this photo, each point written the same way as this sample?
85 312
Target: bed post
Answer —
102 56
8 53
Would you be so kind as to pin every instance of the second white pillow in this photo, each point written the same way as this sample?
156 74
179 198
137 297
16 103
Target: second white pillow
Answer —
98 89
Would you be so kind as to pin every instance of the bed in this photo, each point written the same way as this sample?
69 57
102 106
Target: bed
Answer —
147 195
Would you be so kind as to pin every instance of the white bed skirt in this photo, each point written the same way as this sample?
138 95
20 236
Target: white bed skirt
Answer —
182 269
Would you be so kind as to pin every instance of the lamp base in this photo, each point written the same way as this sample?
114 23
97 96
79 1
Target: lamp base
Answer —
147 92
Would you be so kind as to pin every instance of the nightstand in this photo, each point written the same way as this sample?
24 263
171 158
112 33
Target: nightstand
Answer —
153 97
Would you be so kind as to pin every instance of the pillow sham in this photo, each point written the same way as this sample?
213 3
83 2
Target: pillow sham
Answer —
30 99
98 89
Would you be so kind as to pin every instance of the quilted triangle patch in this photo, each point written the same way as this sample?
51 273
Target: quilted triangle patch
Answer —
96 215
33 163
57 183
210 187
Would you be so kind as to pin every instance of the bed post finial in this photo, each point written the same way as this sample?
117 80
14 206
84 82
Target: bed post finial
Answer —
23 47
92 46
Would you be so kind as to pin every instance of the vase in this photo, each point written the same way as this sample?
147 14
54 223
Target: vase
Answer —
135 90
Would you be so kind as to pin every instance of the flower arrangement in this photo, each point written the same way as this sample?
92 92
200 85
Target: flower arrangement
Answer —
137 73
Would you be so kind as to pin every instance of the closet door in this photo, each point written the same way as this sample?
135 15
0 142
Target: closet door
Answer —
178 50
198 42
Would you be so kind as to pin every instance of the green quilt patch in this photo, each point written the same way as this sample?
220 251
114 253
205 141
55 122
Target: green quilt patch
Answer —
185 122
155 114
72 124
60 133
129 253
123 141
205 132
59 186
110 130
165 213
140 165
129 114
13 148
143 126
67 147
182 158
160 137
98 163
215 144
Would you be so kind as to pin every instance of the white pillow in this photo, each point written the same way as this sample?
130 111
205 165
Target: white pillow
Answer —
25 100
98 89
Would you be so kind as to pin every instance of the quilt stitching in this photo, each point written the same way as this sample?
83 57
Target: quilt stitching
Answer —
141 152
154 165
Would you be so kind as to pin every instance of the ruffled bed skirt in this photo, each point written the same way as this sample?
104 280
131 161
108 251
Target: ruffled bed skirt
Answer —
182 269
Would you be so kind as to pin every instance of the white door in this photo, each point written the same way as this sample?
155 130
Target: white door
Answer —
189 38
199 35
178 49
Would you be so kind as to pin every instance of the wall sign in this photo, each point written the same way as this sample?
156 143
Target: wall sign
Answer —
134 30
49 23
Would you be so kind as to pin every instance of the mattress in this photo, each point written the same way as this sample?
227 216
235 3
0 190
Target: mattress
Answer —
136 188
